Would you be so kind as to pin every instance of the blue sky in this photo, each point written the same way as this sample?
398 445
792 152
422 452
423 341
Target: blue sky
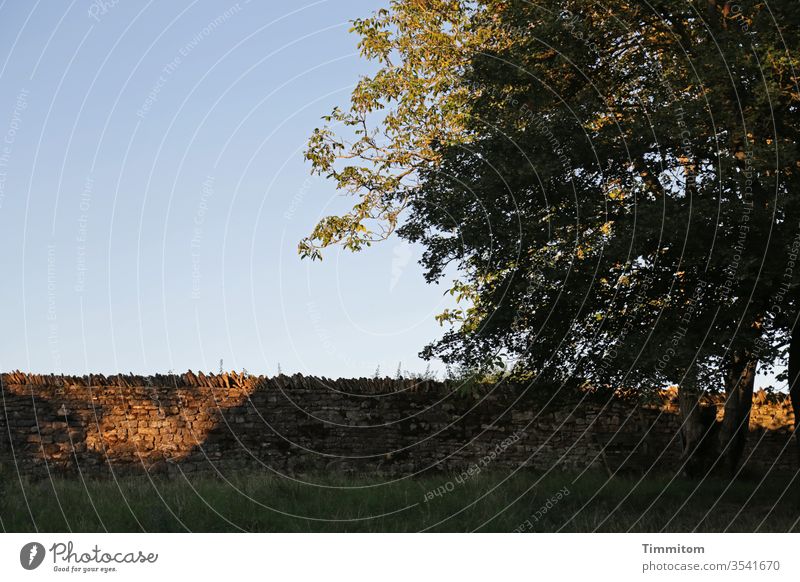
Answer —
153 190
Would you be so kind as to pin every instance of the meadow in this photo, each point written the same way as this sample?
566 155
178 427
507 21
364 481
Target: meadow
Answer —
522 502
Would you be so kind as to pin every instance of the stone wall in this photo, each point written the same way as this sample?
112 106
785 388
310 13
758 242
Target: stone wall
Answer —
293 424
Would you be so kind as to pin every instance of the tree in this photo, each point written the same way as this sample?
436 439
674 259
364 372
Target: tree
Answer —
616 185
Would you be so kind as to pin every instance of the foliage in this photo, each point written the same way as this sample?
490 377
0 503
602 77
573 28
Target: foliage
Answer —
624 207
396 119
614 184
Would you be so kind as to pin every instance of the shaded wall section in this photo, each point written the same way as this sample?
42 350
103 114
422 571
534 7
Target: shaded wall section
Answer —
190 423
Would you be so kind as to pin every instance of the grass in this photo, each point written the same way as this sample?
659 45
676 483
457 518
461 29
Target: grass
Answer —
487 502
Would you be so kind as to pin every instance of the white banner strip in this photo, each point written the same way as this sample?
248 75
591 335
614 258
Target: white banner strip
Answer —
399 557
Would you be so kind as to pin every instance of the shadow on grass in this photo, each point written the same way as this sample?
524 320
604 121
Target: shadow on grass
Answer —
527 501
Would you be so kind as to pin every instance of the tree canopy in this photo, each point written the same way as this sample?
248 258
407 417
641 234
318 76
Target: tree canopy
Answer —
615 184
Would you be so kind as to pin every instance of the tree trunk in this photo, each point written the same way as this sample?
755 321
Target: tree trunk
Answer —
794 382
697 423
739 383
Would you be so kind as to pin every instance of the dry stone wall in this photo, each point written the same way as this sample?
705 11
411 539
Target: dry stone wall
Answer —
191 423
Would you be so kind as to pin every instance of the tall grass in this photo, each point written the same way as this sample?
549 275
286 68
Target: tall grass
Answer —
488 502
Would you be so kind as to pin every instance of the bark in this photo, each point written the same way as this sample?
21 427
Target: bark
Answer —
794 382
733 430
697 424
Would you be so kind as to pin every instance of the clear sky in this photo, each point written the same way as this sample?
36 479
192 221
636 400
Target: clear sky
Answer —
153 191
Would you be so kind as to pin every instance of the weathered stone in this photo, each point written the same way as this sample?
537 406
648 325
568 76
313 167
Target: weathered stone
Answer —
316 424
